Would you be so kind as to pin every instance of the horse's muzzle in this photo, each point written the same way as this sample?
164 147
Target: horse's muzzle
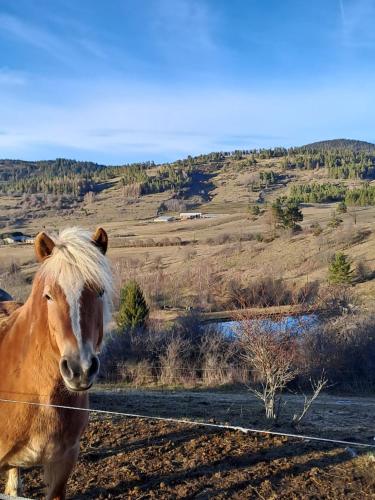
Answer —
79 376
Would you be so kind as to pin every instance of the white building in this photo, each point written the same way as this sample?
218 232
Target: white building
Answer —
190 215
8 241
11 238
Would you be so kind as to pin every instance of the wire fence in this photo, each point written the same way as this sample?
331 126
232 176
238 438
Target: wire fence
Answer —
245 430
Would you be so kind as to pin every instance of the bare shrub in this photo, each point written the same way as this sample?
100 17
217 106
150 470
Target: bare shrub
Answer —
89 198
317 386
173 362
348 236
271 354
233 293
116 350
215 354
306 294
363 271
132 191
337 299
41 202
13 281
344 347
266 292
138 374
173 205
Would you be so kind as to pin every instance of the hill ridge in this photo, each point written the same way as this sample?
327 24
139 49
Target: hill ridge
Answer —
352 144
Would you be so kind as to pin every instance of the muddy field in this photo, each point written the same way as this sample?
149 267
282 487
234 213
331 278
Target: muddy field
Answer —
135 458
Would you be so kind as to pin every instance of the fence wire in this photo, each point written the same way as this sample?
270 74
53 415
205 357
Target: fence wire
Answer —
245 430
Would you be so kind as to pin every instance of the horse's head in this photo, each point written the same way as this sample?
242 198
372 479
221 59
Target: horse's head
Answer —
75 289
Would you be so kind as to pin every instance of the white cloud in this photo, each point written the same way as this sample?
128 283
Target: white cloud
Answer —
32 35
120 120
59 47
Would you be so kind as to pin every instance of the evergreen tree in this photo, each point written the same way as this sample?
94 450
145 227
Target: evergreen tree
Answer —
286 212
292 214
340 271
133 310
277 213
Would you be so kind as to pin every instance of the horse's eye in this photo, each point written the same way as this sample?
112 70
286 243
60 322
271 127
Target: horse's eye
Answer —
47 296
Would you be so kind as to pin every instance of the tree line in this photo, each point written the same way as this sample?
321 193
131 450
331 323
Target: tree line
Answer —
325 193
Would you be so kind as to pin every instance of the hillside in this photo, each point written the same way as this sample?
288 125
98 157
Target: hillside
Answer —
239 246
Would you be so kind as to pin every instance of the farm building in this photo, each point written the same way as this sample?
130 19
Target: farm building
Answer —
16 237
190 215
8 240
164 218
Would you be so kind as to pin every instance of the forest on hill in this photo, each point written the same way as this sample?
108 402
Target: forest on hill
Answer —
341 158
340 144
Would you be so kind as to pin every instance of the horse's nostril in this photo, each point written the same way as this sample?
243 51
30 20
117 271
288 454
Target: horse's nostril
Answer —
94 367
65 369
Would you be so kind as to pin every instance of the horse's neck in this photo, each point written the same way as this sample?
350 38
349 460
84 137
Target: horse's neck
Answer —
29 362
26 348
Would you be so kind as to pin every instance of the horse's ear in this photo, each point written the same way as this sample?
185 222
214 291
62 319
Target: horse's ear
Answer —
43 246
100 239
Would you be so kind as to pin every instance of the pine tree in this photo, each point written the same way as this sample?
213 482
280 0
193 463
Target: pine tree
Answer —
286 213
292 214
277 213
133 310
340 271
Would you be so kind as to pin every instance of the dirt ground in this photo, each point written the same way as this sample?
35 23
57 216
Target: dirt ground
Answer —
135 458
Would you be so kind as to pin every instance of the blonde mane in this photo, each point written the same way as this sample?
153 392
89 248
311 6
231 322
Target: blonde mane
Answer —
76 261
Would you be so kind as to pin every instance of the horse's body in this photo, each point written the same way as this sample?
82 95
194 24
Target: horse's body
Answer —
48 352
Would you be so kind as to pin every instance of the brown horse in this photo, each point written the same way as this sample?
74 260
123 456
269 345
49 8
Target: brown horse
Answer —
49 354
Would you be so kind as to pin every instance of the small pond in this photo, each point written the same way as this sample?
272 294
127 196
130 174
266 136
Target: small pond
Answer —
298 323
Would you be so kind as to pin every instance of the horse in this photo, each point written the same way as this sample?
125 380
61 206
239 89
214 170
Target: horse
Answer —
49 355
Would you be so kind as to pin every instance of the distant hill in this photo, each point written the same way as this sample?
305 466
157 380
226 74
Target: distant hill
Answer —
349 144
344 158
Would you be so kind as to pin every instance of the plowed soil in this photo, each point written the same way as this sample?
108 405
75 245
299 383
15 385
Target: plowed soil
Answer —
137 459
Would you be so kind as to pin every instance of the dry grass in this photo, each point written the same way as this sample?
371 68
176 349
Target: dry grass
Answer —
232 243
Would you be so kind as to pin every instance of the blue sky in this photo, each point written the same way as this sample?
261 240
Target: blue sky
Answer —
127 80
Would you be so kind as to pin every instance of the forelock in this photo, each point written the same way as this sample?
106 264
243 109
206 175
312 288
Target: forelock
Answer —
75 262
